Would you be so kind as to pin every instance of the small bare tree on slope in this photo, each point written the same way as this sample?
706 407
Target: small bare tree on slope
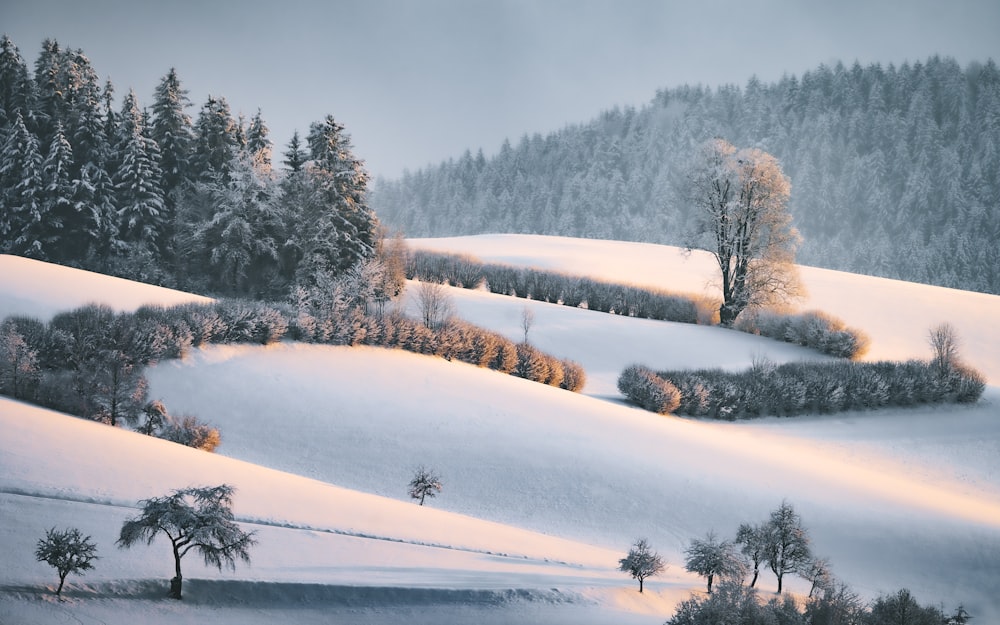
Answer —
425 483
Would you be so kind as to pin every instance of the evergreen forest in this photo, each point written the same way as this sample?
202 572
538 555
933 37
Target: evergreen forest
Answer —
895 171
152 194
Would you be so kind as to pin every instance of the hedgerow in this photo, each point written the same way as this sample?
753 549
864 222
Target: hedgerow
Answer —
556 288
811 387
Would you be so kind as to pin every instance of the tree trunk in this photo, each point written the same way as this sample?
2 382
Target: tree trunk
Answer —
640 584
779 584
756 573
422 495
177 581
710 583
62 580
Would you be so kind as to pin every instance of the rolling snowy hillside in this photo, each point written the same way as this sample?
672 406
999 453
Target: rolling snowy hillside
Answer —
544 489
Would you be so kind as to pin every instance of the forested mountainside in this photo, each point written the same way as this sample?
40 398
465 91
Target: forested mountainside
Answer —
152 195
895 171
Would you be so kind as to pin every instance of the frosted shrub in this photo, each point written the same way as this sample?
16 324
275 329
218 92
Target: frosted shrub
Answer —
646 389
532 364
190 432
574 376
813 329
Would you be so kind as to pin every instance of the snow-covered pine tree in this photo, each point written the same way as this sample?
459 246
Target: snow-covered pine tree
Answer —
20 190
342 226
216 139
259 145
56 234
173 132
15 83
137 185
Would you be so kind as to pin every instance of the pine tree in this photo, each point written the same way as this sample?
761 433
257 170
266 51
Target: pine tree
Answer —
173 132
49 105
137 186
15 84
21 213
295 155
217 139
341 227
58 235
259 145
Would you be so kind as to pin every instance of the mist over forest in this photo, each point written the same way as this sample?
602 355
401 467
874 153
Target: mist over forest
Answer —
895 171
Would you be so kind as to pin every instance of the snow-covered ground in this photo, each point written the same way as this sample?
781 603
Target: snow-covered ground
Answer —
543 489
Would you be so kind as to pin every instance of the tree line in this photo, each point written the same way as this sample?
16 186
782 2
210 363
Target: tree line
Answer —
781 544
894 170
148 193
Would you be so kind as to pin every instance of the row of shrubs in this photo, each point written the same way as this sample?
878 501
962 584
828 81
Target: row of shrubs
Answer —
800 388
813 329
557 288
88 336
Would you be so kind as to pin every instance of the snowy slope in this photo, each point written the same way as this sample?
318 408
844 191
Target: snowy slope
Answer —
894 498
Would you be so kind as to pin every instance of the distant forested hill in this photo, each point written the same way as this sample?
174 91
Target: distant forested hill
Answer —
895 171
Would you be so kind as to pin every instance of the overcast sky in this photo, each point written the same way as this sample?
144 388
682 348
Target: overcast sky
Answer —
416 82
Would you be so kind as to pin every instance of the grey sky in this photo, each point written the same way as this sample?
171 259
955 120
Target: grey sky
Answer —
416 82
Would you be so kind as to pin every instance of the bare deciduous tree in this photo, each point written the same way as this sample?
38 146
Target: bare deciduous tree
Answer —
742 219
641 562
527 320
435 304
944 342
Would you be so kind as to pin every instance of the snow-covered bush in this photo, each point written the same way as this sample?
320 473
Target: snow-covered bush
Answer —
189 431
818 387
814 329
648 390
574 376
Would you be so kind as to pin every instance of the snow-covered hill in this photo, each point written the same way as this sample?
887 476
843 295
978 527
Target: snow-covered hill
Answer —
544 489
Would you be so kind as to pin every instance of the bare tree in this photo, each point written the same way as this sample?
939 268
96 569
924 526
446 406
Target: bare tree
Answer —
817 573
435 304
527 320
944 342
425 483
742 219
68 551
713 557
19 370
641 562
192 518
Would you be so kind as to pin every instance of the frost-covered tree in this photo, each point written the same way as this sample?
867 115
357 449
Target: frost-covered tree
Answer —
197 518
817 572
15 83
713 558
641 562
337 203
217 139
60 232
242 239
21 212
752 540
787 549
259 145
435 304
741 217
295 155
19 370
172 130
137 184
425 483
68 551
